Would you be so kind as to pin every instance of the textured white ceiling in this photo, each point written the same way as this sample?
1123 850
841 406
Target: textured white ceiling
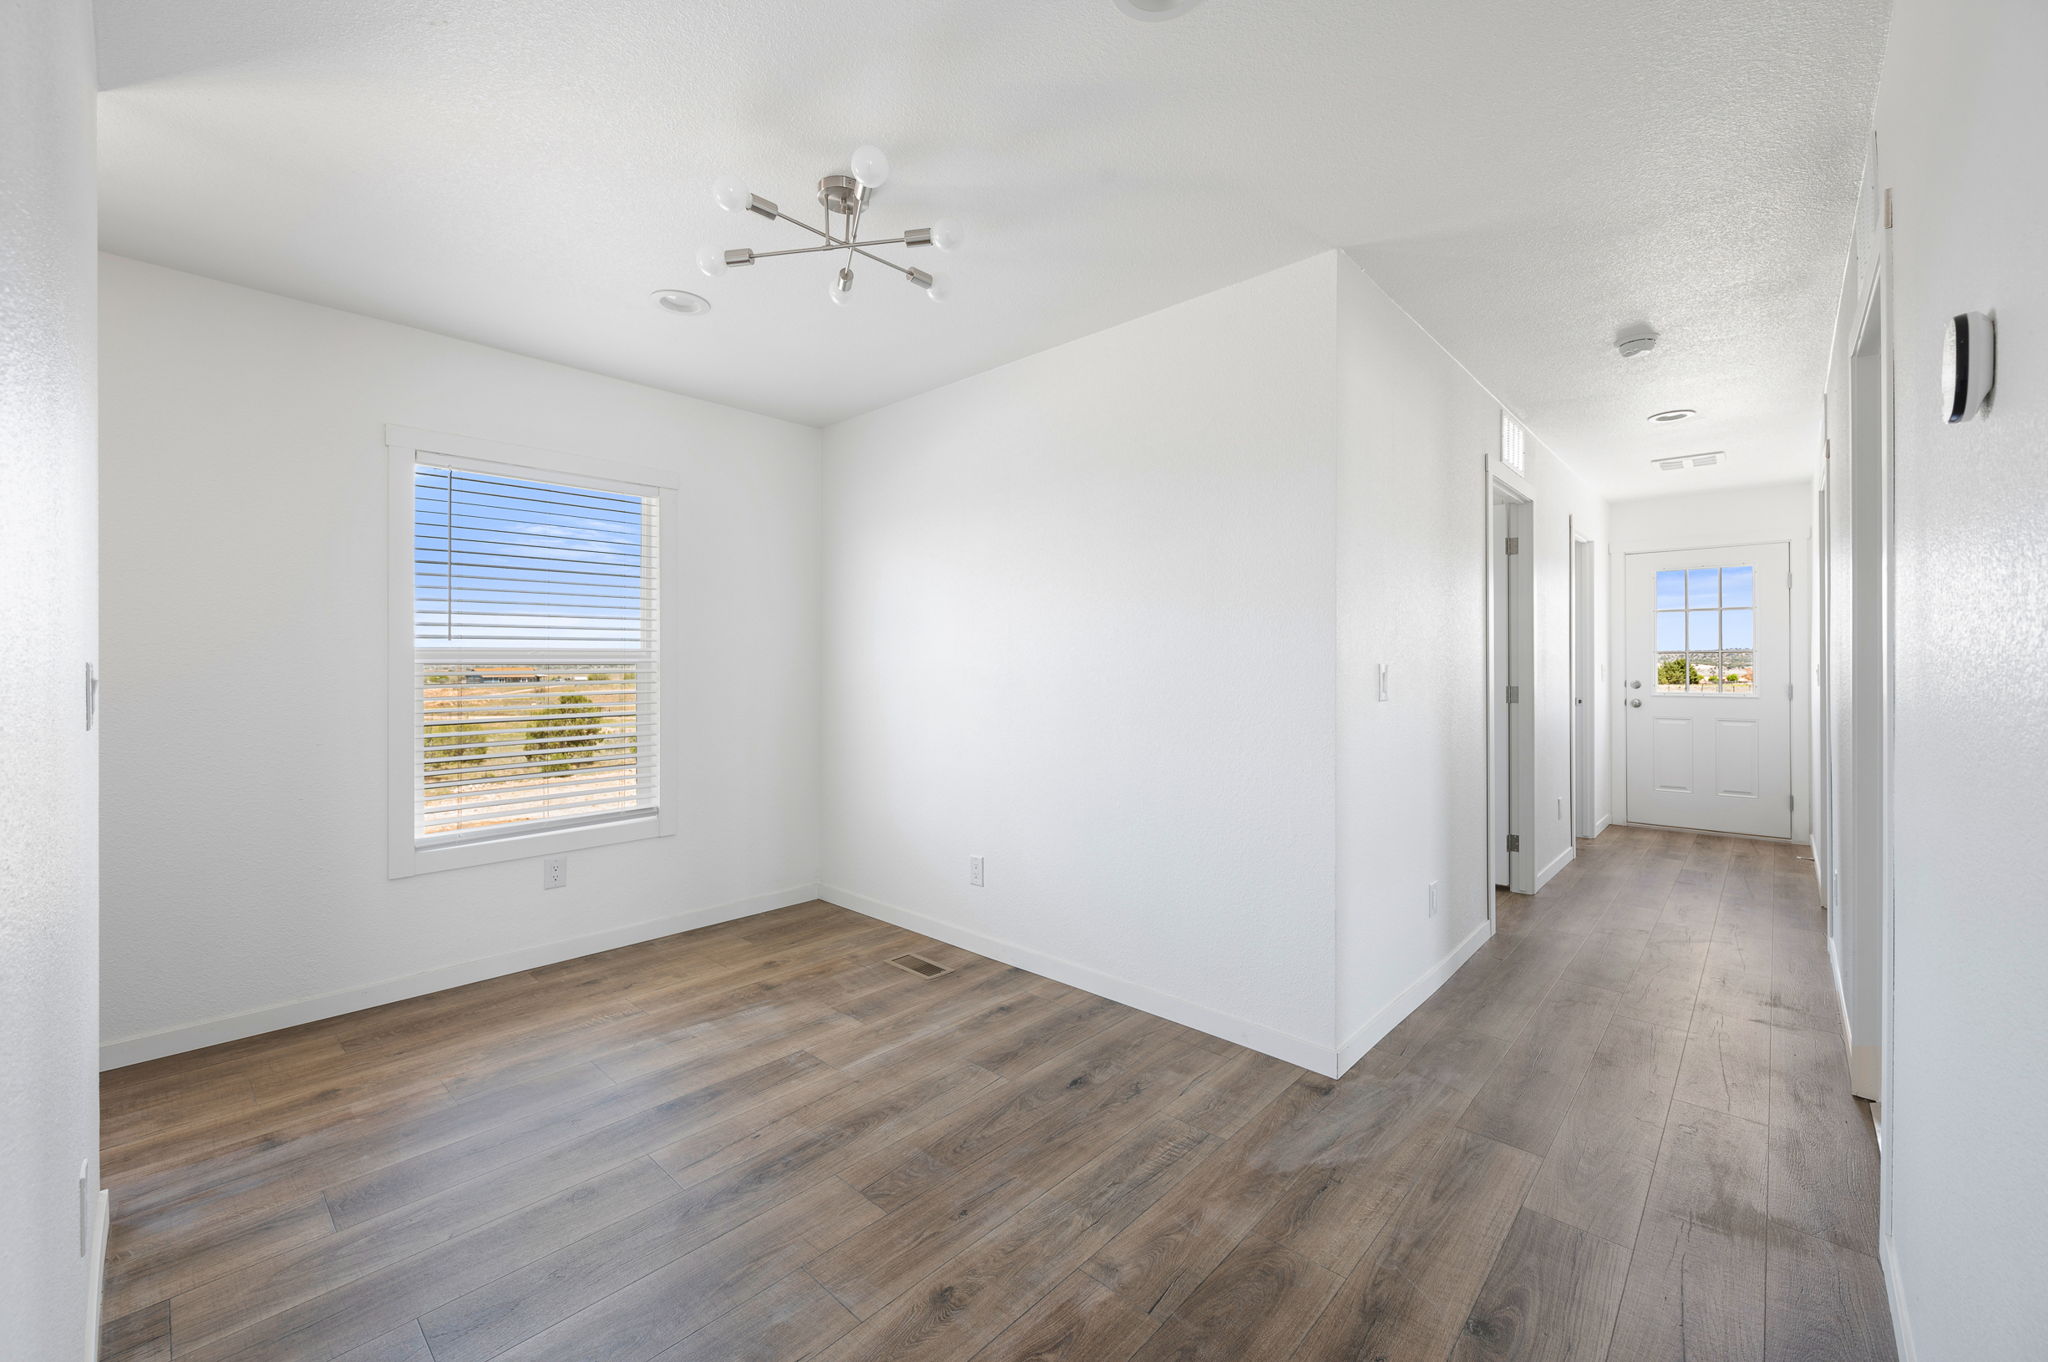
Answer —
1527 179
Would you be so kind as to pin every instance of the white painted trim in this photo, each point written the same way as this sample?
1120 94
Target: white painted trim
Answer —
1605 822
1841 998
1895 1293
1394 1013
101 1230
1321 1058
404 447
1557 863
177 1040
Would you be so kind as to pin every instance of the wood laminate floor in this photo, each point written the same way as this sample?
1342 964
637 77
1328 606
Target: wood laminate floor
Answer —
1622 1131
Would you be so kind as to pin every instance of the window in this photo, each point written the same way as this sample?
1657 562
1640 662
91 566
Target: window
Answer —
1706 631
1513 449
529 708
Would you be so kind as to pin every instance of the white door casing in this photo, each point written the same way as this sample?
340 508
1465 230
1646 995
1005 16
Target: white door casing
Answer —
1706 689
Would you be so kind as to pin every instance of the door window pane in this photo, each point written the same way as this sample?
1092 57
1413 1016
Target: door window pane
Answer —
1738 587
1706 631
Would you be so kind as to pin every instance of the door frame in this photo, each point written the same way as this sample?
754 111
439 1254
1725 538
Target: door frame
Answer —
1862 812
1584 654
1617 646
1511 511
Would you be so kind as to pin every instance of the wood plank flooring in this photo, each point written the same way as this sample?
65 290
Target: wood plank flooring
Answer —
1622 1131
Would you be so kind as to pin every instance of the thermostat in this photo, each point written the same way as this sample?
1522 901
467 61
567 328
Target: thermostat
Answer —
1966 365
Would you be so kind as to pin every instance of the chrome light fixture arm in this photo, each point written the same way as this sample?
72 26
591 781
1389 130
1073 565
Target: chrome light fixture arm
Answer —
845 195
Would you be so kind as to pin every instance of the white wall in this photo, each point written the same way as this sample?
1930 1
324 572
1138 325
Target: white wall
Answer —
1081 623
49 1102
1415 433
1773 513
1958 128
1108 617
244 570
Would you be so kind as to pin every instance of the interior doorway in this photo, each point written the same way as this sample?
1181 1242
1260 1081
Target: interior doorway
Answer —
1510 703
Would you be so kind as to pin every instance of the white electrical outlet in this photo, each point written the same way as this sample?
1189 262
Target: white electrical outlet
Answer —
974 870
554 872
1433 901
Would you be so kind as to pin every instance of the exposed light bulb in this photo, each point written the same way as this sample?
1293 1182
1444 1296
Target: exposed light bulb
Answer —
948 235
842 288
939 289
870 166
731 193
711 260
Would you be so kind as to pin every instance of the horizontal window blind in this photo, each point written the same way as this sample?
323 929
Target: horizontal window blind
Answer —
536 668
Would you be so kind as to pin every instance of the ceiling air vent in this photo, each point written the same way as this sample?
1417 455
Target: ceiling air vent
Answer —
1684 461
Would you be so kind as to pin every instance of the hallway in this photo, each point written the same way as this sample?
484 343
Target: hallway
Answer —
1625 1119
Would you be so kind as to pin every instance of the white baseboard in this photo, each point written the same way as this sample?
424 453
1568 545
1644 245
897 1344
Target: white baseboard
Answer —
1602 824
1387 1018
177 1040
1895 1293
1253 1035
97 1256
1557 863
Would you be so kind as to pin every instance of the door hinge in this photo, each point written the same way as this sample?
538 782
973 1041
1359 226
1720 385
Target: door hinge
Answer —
1514 545
1514 695
1514 841
1788 690
1791 801
92 696
1887 208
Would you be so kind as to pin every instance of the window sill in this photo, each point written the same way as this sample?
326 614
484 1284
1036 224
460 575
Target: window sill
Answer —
408 858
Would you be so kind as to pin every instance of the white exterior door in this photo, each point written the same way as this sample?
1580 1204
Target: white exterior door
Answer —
1706 689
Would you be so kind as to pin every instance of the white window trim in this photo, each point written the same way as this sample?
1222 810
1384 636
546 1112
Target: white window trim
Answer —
404 446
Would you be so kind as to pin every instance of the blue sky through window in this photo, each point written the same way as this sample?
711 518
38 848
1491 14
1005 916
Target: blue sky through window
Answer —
511 563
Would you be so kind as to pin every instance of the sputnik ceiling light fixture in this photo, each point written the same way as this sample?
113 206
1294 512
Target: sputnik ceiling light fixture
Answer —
845 197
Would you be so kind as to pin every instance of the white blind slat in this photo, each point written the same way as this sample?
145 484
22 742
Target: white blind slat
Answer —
536 654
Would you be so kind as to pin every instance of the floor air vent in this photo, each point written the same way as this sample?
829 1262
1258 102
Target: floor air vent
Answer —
918 965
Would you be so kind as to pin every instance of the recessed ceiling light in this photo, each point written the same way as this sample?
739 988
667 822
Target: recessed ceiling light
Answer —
1665 418
675 300
1156 9
1631 346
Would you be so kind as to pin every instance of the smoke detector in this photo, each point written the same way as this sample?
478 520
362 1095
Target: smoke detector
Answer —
1631 346
1685 461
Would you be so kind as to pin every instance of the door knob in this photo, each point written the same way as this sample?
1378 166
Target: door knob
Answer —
1635 704
1635 685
